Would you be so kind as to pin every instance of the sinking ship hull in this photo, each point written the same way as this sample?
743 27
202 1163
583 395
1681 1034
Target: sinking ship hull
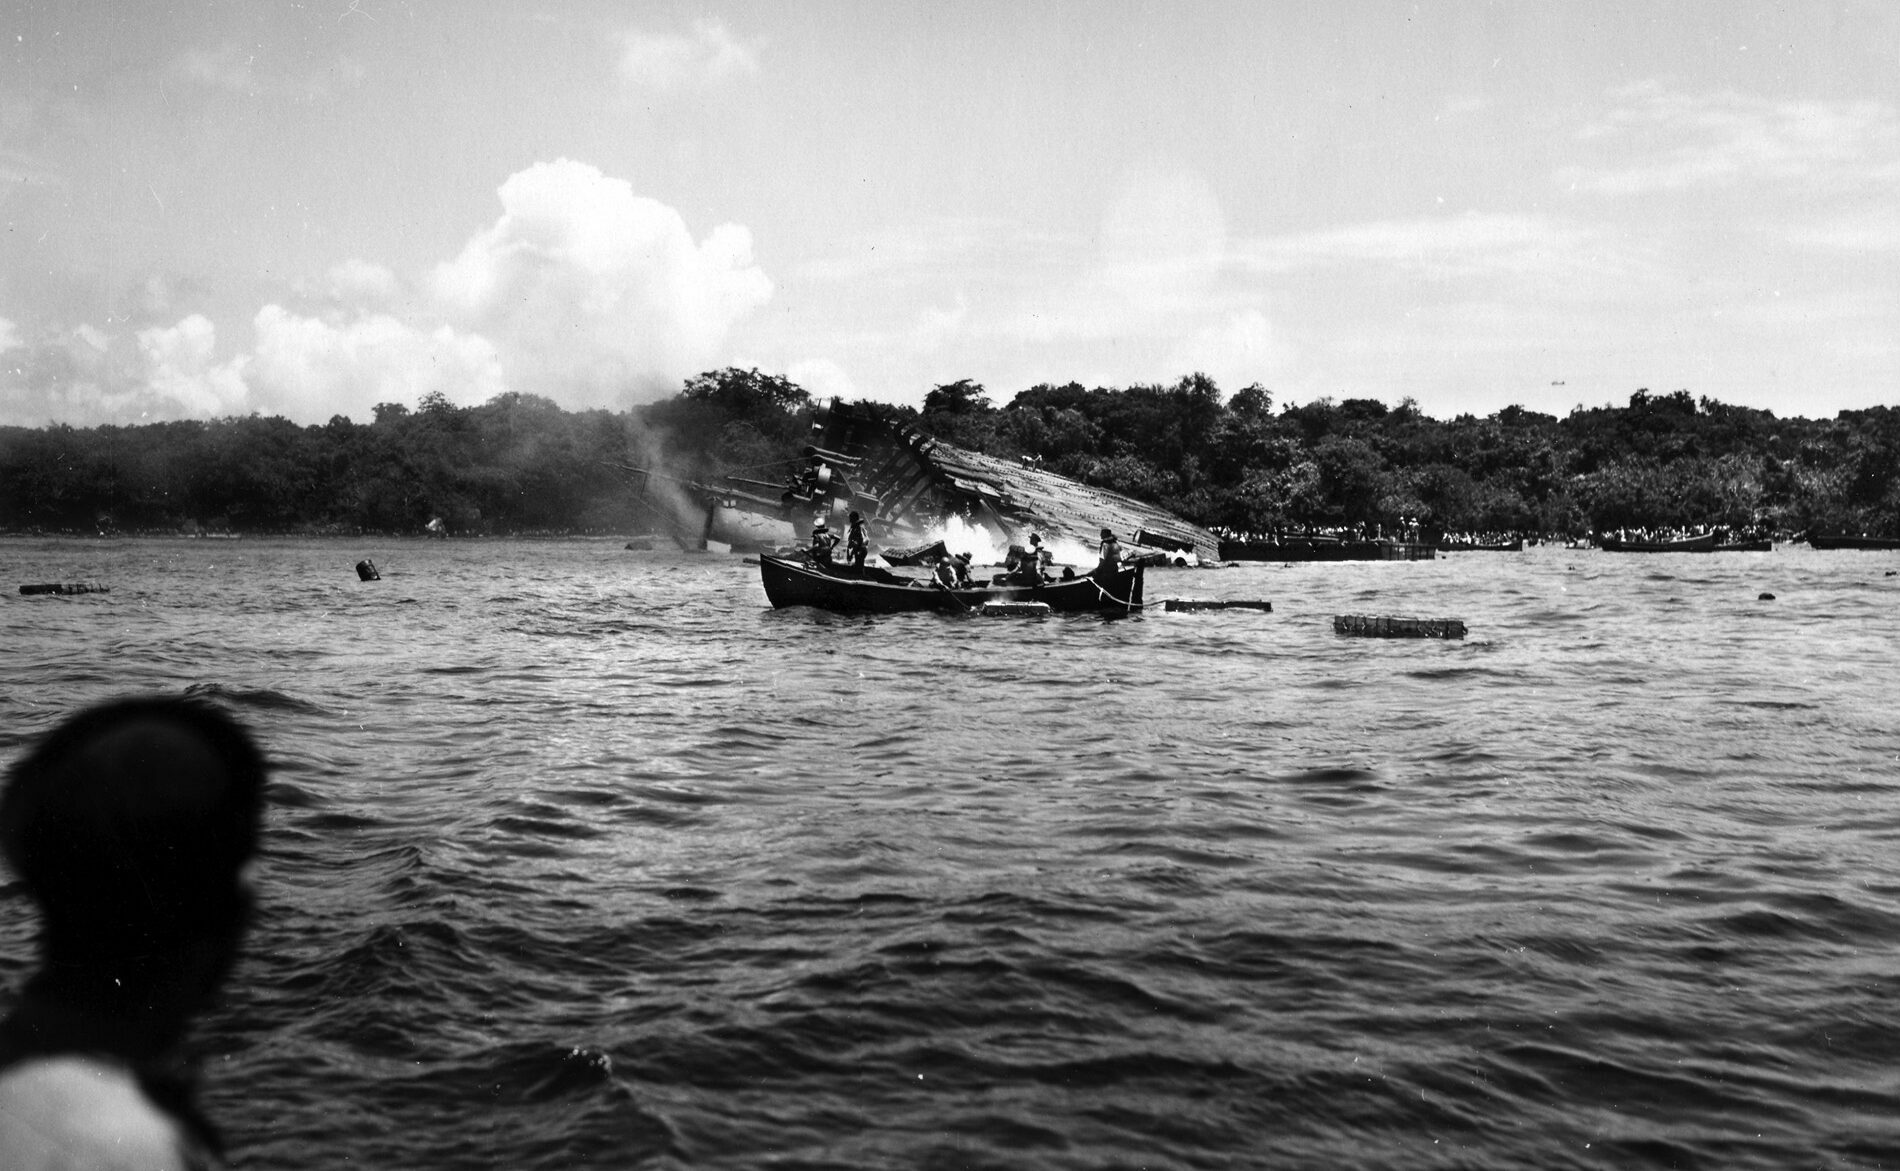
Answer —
911 486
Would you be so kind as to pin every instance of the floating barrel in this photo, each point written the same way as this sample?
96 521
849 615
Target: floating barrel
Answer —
1014 609
1370 627
366 571
65 587
1175 605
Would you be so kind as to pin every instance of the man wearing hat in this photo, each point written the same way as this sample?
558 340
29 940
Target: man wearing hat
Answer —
1111 555
823 541
962 567
856 545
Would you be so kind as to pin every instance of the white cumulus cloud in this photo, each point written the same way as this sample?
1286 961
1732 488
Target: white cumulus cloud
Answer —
1659 139
593 295
308 369
1238 349
581 291
823 379
671 62
361 283
182 371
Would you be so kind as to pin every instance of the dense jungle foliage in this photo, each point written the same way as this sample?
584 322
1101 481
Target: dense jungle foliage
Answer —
520 464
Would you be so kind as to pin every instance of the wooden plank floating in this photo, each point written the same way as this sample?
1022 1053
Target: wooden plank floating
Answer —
66 587
1367 626
1014 609
1179 605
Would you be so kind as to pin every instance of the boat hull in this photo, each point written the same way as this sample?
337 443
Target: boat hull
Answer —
794 583
1702 544
1818 541
1325 549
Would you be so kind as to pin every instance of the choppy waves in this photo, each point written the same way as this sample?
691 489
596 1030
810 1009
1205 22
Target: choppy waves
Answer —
607 865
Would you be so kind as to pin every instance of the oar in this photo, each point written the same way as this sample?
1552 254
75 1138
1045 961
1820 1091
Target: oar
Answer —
935 581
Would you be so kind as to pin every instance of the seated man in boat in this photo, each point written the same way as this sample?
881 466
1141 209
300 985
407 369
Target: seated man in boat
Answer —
946 572
962 566
1111 554
1026 566
823 541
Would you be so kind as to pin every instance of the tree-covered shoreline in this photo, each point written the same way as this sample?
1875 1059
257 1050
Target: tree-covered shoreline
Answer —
522 465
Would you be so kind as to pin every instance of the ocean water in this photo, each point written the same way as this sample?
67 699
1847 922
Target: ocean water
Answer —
582 857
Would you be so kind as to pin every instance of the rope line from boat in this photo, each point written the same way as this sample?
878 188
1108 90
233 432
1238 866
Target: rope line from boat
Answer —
1124 603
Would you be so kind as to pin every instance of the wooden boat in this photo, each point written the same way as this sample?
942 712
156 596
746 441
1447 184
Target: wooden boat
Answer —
1842 541
1764 545
790 582
1516 546
1700 544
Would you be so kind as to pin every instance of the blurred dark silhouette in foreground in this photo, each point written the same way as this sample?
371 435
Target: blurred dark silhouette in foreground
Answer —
131 826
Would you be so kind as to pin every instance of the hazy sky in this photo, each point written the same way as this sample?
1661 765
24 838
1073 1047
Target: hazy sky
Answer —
307 208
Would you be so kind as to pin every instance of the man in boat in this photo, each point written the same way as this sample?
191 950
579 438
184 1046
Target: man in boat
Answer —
1026 565
855 546
963 560
823 541
131 827
946 572
1111 554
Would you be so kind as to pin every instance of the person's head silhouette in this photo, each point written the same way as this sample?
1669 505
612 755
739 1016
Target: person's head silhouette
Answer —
131 827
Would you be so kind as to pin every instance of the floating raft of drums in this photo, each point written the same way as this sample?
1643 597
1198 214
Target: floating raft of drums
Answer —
1177 605
1014 609
1367 626
66 587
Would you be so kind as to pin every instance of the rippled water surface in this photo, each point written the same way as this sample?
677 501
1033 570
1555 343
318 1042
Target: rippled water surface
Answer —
580 857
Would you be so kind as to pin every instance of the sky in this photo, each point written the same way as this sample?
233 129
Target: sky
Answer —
309 207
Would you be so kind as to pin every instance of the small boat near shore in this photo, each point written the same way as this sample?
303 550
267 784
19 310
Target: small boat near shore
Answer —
1325 548
792 582
1704 543
1842 541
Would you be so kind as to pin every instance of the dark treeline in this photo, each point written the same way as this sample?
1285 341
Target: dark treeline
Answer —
520 463
515 464
1662 461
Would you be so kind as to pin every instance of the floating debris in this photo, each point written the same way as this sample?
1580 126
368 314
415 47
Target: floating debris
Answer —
366 571
1178 605
1368 626
1764 597
66 587
1014 609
